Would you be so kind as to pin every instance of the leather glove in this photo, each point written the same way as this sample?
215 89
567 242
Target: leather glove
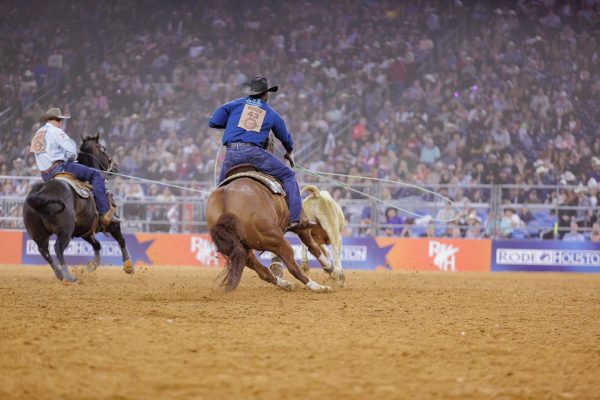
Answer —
290 157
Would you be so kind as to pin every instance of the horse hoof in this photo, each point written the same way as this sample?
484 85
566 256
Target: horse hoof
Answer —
323 289
128 267
276 269
69 278
318 288
285 285
91 266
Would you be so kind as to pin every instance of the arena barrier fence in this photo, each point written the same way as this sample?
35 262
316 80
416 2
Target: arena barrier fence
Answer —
146 208
379 253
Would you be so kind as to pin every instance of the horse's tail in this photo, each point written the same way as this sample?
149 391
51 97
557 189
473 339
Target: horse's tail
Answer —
46 207
225 236
313 191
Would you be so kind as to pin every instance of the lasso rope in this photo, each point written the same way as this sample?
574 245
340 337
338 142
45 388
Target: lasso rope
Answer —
346 186
216 162
324 176
158 182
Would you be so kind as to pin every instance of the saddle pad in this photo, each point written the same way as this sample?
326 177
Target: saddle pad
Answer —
83 190
267 180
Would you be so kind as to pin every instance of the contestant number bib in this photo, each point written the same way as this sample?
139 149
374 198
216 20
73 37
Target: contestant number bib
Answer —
38 143
252 118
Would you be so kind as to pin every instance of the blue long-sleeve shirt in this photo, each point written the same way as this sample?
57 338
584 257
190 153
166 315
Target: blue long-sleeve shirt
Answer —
254 111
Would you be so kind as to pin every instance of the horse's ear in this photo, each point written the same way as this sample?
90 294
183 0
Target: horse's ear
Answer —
97 137
82 138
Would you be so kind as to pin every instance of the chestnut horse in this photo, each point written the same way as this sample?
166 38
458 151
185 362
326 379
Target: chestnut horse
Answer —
243 216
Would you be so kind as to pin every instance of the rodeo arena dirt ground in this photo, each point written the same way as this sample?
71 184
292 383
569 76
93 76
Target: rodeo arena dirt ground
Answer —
171 333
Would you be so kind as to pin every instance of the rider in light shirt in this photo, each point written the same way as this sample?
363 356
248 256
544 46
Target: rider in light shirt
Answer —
55 152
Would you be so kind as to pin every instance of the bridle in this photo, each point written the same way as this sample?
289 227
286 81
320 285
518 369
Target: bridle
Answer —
106 167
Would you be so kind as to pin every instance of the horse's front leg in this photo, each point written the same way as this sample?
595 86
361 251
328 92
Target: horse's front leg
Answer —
95 261
271 275
115 230
286 253
307 240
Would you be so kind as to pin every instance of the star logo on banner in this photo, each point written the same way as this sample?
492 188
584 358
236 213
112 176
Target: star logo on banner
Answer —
138 249
377 256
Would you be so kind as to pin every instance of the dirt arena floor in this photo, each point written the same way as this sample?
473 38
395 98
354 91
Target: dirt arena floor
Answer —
168 333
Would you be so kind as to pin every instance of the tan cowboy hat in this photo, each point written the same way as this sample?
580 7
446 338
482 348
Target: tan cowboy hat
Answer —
55 113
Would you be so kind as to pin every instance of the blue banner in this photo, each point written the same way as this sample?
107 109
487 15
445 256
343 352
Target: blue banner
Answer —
357 253
80 251
545 255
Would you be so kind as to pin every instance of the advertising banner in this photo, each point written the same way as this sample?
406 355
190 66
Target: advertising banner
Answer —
438 254
385 253
545 255
198 250
10 246
145 249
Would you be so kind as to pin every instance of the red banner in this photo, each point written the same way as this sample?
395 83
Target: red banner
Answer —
438 254
11 247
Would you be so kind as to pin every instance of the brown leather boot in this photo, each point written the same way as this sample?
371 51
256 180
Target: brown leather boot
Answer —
301 225
107 217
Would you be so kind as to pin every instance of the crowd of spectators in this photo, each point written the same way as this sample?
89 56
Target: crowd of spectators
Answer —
514 103
510 100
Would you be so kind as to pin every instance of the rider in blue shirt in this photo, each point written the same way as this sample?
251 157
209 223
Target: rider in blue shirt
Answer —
247 122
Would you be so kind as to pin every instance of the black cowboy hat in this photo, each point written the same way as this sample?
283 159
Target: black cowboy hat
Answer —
257 85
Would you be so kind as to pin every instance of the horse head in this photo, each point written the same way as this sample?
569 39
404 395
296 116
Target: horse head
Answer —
94 155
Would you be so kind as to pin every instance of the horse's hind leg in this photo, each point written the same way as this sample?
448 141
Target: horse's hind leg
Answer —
115 231
62 241
95 261
264 273
45 252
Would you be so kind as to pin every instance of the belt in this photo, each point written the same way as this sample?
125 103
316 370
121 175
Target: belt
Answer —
54 165
241 144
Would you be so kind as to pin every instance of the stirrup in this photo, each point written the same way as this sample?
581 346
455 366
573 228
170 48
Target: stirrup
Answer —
108 217
297 226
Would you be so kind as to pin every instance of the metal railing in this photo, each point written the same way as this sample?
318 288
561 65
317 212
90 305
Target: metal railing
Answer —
485 215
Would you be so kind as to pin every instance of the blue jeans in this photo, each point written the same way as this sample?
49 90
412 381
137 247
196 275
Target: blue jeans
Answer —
241 153
86 174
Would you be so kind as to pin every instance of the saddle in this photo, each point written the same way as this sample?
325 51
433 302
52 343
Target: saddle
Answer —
83 189
249 171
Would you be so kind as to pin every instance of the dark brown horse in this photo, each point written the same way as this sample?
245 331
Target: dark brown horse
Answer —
54 207
244 216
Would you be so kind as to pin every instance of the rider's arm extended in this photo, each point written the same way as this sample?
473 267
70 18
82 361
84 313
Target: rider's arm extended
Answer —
281 133
219 118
